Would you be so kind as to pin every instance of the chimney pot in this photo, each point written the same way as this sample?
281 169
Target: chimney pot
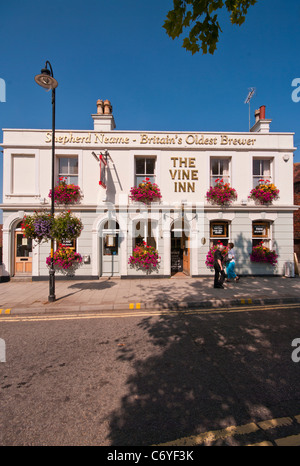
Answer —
100 106
262 114
107 107
256 114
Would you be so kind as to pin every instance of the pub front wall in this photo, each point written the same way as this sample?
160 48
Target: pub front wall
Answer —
194 159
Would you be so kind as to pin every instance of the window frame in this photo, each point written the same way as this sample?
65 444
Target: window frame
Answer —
151 176
226 178
265 238
213 239
68 175
147 227
262 176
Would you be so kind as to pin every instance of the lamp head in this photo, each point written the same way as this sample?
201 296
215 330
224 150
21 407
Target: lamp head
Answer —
46 79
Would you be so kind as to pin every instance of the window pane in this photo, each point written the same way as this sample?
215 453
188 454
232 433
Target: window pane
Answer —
256 242
111 245
73 166
266 167
139 179
256 167
215 167
215 242
140 166
72 180
111 224
23 246
224 167
63 166
256 181
150 166
151 178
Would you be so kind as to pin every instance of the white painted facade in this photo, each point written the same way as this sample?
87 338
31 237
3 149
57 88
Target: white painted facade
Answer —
27 181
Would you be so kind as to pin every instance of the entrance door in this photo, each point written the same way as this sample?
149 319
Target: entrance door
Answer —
176 254
110 254
180 253
110 249
23 254
186 256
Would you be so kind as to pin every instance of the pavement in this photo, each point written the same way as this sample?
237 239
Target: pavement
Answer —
107 294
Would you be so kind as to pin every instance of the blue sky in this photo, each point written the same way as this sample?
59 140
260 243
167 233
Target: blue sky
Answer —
118 50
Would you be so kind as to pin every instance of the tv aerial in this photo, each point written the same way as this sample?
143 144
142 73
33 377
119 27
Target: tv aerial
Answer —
248 99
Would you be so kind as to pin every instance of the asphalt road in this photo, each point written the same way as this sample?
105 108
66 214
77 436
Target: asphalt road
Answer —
145 378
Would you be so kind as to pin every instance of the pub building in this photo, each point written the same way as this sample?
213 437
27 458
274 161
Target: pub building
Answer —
182 225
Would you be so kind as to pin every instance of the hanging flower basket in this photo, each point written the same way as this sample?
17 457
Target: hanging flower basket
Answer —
66 227
145 192
38 226
264 193
221 194
263 254
145 258
65 260
210 256
66 194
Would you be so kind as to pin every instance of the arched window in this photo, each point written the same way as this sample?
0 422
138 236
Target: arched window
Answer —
111 224
145 230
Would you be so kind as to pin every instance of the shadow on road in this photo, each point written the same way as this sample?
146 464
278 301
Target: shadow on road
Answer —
207 372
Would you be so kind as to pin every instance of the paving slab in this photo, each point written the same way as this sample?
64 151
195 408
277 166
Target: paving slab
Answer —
114 293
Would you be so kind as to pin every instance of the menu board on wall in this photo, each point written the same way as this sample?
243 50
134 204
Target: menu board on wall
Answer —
259 229
218 229
176 261
67 243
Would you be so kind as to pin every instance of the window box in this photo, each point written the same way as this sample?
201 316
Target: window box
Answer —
221 193
264 193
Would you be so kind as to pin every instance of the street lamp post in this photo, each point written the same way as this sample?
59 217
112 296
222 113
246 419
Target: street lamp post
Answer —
46 80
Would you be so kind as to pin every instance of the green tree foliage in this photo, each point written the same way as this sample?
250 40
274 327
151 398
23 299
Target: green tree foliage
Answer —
201 18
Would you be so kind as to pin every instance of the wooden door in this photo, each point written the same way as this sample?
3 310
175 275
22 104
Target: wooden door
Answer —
23 254
186 256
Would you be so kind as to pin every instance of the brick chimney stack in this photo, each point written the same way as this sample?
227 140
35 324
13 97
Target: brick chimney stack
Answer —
103 119
261 125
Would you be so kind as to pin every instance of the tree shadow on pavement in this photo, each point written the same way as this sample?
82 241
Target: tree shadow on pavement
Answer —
207 371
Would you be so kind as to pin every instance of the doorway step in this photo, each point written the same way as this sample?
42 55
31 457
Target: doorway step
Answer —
180 275
20 278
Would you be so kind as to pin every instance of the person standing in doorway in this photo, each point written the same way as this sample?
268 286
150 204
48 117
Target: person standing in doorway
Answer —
218 266
230 264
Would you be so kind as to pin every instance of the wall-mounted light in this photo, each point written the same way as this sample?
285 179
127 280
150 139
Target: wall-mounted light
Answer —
286 157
